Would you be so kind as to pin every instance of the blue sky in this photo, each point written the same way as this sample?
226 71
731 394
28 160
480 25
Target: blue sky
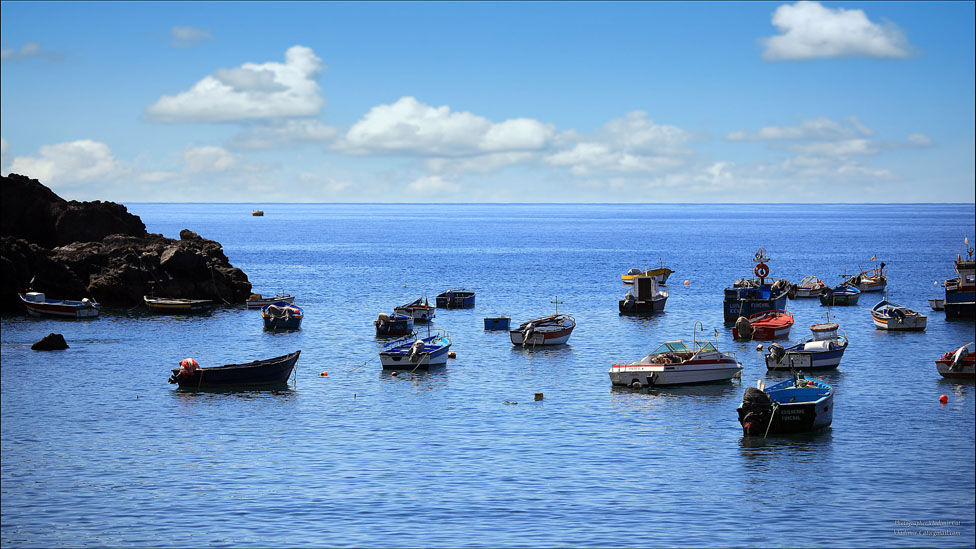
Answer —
491 102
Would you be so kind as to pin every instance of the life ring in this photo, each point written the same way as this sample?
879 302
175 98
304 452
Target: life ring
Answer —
761 270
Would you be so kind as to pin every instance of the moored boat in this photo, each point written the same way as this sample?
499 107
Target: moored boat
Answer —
843 294
823 350
548 330
797 405
661 273
762 326
257 301
647 296
891 316
415 353
960 363
419 309
960 292
272 371
675 363
869 280
458 298
37 304
393 325
809 286
282 315
257 213
177 305
937 304
497 322
749 296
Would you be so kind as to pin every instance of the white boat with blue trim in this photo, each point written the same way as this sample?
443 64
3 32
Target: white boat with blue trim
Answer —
821 351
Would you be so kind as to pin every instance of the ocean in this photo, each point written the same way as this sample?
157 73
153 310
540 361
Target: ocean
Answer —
99 450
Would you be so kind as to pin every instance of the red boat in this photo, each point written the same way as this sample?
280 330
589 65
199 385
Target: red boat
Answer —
958 364
763 325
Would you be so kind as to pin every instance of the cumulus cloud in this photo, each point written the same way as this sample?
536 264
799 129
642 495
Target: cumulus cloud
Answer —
211 159
431 185
413 128
278 134
30 50
630 144
812 129
252 91
82 160
188 37
809 30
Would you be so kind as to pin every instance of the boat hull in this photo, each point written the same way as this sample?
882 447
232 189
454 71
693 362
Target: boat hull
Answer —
261 303
911 323
273 371
734 307
399 327
654 375
419 314
497 323
281 324
792 418
807 292
638 307
557 337
178 306
435 354
835 299
462 301
60 309
937 304
806 360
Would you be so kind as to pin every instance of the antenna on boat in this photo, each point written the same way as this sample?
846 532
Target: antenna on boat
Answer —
557 302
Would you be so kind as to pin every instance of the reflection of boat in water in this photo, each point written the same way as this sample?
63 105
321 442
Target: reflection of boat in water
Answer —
797 405
412 353
823 350
647 296
960 363
890 316
661 273
762 326
960 292
674 363
750 296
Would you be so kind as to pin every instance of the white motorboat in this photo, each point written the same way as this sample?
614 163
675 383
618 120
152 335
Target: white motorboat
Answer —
675 363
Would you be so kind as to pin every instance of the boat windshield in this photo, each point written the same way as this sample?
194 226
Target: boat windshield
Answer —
671 347
706 347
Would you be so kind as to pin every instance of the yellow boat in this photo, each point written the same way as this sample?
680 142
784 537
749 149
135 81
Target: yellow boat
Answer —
174 305
661 273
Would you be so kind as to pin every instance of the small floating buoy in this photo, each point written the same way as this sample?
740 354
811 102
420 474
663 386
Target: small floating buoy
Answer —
687 283
394 373
943 399
935 283
759 347
451 354
324 374
538 396
404 285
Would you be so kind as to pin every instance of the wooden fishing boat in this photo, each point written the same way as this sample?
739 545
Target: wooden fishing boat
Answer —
177 306
647 296
797 405
37 304
868 280
257 213
844 294
675 363
891 316
257 301
272 371
282 315
763 326
937 304
960 363
419 309
809 286
823 350
960 292
497 322
548 330
660 273
458 298
395 325
411 353
750 296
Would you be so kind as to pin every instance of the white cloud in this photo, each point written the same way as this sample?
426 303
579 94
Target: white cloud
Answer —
410 127
316 182
29 50
485 163
809 30
211 159
83 160
283 133
252 91
188 37
845 148
427 189
631 144
812 129
920 139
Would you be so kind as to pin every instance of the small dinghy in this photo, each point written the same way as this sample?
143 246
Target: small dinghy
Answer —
282 315
937 304
272 371
458 298
549 330
809 286
418 309
395 325
257 301
797 405
172 305
38 304
891 316
411 353
958 364
844 294
763 326
497 322
821 351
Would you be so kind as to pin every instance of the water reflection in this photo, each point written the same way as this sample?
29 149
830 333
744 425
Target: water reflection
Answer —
759 452
430 379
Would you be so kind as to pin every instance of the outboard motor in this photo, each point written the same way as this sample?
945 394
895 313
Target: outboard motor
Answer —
899 314
383 320
527 333
630 301
776 351
958 357
757 411
744 328
416 351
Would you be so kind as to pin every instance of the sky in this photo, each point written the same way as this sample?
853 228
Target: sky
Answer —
499 102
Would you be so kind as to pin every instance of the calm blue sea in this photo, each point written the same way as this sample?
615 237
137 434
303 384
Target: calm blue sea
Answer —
98 450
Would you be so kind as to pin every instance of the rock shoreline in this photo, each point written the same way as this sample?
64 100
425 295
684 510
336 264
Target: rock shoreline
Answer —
101 251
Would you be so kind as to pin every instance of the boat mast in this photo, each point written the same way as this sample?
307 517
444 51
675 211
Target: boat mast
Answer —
557 302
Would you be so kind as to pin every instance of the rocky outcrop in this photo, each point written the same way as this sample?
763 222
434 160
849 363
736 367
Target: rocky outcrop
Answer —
99 250
51 342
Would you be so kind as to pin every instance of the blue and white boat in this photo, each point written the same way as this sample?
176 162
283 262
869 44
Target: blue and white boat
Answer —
411 353
797 405
960 292
747 297
821 351
844 294
282 315
393 325
497 322
458 298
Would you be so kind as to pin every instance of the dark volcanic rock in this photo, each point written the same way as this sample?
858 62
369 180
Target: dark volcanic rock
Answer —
100 250
51 342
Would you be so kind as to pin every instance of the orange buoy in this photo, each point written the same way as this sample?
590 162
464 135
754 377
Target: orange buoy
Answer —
324 374
451 354
687 283
394 373
943 399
